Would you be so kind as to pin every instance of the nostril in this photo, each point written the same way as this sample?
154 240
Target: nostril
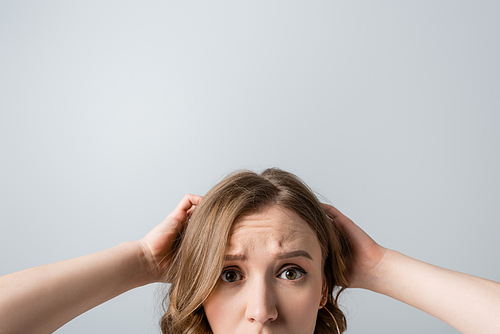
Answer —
261 302
263 315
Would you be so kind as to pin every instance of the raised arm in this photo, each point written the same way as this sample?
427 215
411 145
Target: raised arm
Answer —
42 299
468 303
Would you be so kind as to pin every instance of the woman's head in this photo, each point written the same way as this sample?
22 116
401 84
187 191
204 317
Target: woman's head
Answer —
257 254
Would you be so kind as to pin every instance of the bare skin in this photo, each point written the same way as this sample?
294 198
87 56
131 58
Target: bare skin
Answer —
468 303
273 279
42 299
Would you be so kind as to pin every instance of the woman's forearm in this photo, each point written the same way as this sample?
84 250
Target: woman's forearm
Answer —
469 304
42 299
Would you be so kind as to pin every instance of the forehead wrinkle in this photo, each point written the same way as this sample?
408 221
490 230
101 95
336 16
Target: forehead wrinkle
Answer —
249 237
256 238
265 220
278 256
273 230
256 228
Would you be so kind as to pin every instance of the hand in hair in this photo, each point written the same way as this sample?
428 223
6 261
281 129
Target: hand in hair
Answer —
367 253
469 304
157 244
51 295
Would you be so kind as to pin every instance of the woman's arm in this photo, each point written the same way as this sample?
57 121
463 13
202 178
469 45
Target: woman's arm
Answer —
469 304
42 299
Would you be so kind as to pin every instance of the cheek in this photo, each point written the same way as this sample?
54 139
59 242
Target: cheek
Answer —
300 308
223 310
297 307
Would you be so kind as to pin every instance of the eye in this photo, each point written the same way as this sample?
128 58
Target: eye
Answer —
292 273
230 276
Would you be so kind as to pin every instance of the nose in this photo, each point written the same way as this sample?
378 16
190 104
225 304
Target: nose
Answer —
261 306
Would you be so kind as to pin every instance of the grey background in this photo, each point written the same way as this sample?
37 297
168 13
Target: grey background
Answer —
112 110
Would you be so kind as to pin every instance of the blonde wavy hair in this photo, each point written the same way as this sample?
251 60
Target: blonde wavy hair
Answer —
200 249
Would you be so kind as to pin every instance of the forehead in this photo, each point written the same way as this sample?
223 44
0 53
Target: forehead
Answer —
274 227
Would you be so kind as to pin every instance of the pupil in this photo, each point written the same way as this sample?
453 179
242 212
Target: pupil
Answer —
230 276
290 274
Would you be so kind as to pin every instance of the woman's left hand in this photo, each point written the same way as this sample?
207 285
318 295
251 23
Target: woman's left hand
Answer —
476 301
367 253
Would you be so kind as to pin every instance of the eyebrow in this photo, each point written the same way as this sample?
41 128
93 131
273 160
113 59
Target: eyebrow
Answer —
279 256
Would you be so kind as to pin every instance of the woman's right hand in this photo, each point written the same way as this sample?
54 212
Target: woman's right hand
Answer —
368 254
71 287
157 244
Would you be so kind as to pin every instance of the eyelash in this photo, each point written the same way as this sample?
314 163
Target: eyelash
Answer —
298 269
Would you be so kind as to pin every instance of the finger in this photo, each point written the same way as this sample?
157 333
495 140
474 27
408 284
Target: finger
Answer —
332 211
345 222
188 201
185 208
337 216
191 210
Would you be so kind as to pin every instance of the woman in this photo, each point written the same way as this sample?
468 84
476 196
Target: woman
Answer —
278 253
259 254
